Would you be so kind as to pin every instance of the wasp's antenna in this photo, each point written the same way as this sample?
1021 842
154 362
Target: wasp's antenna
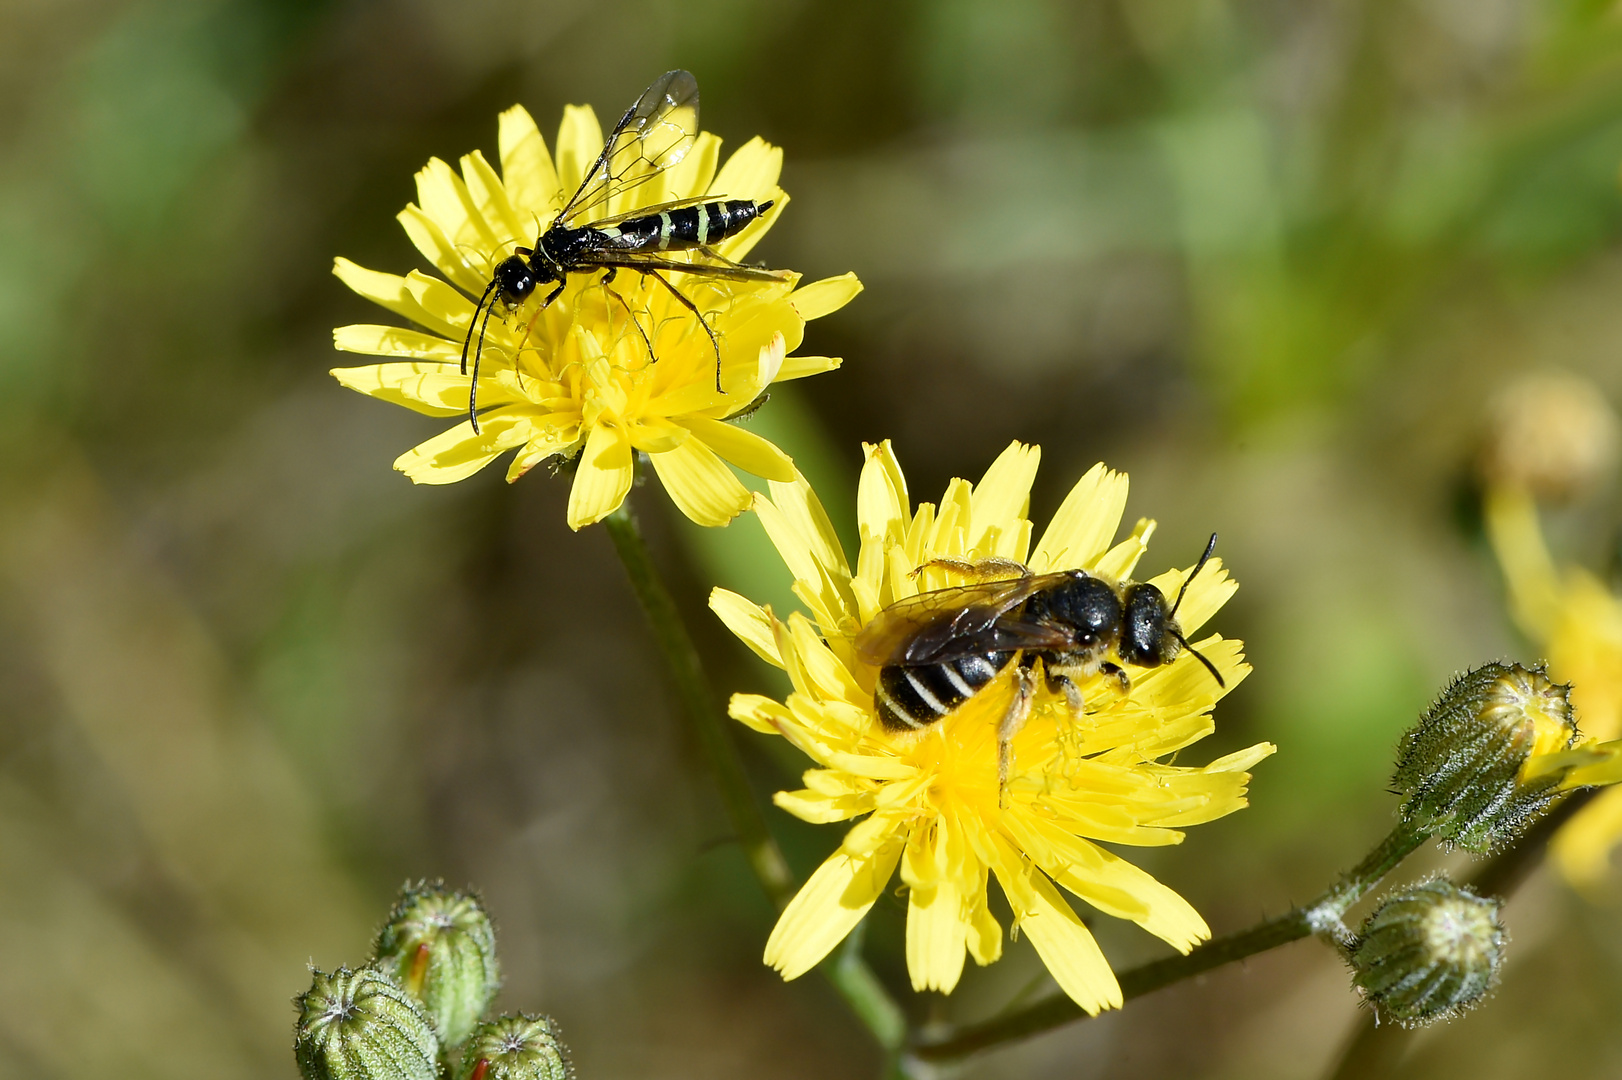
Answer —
1210 547
478 354
474 322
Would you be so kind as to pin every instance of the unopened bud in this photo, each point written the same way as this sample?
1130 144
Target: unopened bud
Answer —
1463 767
362 1025
1551 433
1428 952
441 947
516 1048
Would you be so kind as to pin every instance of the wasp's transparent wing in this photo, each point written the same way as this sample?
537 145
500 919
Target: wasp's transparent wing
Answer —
653 135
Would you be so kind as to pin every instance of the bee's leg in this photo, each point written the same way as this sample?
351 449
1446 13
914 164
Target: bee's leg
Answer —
715 342
1019 710
1061 683
994 568
1120 675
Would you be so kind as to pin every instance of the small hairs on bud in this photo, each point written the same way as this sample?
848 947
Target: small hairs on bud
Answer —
1462 767
516 1048
362 1025
441 947
1428 952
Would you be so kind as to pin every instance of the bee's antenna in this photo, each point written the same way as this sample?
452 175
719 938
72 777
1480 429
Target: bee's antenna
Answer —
1210 547
1215 674
478 354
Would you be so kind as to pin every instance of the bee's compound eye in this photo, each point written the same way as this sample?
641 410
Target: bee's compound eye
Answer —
514 279
1144 638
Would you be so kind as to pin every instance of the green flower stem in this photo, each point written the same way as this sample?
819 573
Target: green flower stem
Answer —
1322 916
849 974
1374 1050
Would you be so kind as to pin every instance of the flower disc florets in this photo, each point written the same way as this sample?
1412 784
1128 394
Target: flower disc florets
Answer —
606 371
932 799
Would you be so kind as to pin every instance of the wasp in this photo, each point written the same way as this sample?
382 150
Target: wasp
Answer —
654 134
935 650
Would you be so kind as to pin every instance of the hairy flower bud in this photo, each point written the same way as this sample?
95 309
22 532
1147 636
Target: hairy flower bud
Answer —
441 947
362 1025
1429 951
1463 767
516 1048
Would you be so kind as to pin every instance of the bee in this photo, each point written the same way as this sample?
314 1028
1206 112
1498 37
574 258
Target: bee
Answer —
935 650
654 134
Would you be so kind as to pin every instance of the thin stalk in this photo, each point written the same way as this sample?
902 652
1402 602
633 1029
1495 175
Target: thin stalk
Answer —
1322 916
1375 1049
849 974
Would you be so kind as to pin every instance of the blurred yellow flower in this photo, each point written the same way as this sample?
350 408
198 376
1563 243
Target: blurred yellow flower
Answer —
579 380
1577 622
932 798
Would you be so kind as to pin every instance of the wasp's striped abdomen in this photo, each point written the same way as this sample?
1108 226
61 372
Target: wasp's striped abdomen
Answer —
911 698
684 227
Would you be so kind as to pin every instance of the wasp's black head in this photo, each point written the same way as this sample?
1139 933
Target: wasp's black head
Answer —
1149 635
514 279
1082 603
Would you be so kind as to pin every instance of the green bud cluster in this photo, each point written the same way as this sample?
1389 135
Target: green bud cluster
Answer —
441 946
362 1025
421 999
516 1048
1461 766
1428 952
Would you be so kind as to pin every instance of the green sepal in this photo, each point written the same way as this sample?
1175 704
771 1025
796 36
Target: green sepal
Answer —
516 1048
362 1025
1428 952
440 945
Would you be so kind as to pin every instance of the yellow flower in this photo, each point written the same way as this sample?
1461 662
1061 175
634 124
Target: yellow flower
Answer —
1577 622
580 379
932 798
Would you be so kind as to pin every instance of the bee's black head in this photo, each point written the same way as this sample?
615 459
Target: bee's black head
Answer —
1149 635
514 279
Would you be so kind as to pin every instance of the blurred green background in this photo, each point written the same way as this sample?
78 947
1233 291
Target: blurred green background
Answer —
1271 258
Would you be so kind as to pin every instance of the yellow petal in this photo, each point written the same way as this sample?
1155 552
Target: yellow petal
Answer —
937 923
1087 519
580 140
1534 585
396 293
450 259
445 199
604 476
458 453
1582 848
375 340
828 907
749 622
433 389
826 296
1002 498
751 172
759 712
526 169
552 435
1065 945
1118 562
799 367
492 205
700 484
745 449
882 504
821 809
804 510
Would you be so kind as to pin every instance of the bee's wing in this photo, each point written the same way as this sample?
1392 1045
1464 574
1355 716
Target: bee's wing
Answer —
945 624
653 135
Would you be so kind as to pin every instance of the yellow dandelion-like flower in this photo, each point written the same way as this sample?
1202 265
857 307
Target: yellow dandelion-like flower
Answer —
608 370
932 799
1577 622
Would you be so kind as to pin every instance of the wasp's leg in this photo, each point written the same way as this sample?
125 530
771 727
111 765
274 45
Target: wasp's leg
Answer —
631 314
715 342
554 294
1019 710
609 276
1120 675
995 568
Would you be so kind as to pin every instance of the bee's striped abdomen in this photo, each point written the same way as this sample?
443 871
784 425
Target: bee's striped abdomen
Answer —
912 698
685 227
